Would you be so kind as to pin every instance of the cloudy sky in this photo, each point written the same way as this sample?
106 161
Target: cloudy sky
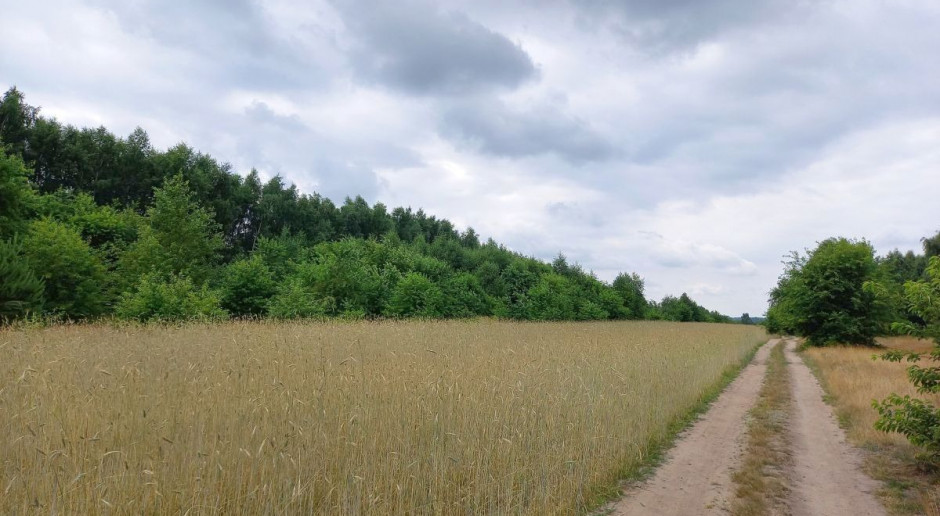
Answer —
694 142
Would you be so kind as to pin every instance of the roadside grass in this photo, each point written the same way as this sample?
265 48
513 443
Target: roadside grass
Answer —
851 380
347 417
761 479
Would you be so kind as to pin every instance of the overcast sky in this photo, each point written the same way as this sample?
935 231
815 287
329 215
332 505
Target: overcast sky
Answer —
694 142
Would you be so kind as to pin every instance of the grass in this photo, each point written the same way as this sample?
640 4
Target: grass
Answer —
761 479
852 380
365 418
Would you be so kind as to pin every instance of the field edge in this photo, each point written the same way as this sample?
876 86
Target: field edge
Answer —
603 496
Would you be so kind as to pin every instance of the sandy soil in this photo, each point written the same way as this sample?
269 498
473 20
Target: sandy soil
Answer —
825 477
696 476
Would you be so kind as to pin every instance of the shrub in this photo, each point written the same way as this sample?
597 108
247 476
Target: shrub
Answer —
294 300
73 274
247 284
173 299
552 299
463 296
917 419
415 295
21 290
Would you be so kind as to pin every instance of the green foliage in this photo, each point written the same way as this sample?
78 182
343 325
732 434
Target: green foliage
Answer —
21 290
111 216
551 299
16 120
16 196
932 245
827 296
178 238
630 287
176 298
464 296
246 285
103 227
294 300
347 271
73 274
281 254
917 419
415 296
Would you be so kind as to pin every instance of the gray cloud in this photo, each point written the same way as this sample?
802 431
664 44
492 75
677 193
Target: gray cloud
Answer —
419 49
234 42
663 26
500 129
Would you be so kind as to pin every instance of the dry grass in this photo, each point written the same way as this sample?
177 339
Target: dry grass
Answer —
411 417
852 380
761 481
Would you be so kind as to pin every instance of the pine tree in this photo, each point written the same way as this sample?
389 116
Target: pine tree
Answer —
21 290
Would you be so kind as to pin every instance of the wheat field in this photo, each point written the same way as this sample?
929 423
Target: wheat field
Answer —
853 380
343 418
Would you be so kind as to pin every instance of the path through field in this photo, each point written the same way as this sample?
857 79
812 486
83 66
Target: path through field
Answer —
696 478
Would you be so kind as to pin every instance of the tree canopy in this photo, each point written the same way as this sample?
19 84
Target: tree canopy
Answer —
93 224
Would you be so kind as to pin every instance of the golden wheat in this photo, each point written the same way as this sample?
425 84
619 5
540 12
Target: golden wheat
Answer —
357 418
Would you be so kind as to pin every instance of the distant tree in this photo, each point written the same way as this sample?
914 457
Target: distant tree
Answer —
609 301
463 296
746 318
826 296
246 287
74 276
179 237
677 309
630 287
16 120
16 196
469 239
932 245
415 295
21 290
551 299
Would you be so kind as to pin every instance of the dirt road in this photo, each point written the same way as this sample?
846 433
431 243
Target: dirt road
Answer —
696 478
826 477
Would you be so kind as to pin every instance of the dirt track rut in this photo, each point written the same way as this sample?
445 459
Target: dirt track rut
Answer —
696 478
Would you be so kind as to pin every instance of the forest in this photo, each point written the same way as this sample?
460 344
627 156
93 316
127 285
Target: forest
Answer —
94 225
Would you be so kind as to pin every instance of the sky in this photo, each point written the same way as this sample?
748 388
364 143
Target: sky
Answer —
694 142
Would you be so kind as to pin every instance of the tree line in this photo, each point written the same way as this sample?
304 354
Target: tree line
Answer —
842 292
93 225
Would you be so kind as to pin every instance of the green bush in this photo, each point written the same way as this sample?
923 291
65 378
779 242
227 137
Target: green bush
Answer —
74 276
294 300
16 195
551 299
173 299
415 295
247 285
463 296
917 419
21 290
